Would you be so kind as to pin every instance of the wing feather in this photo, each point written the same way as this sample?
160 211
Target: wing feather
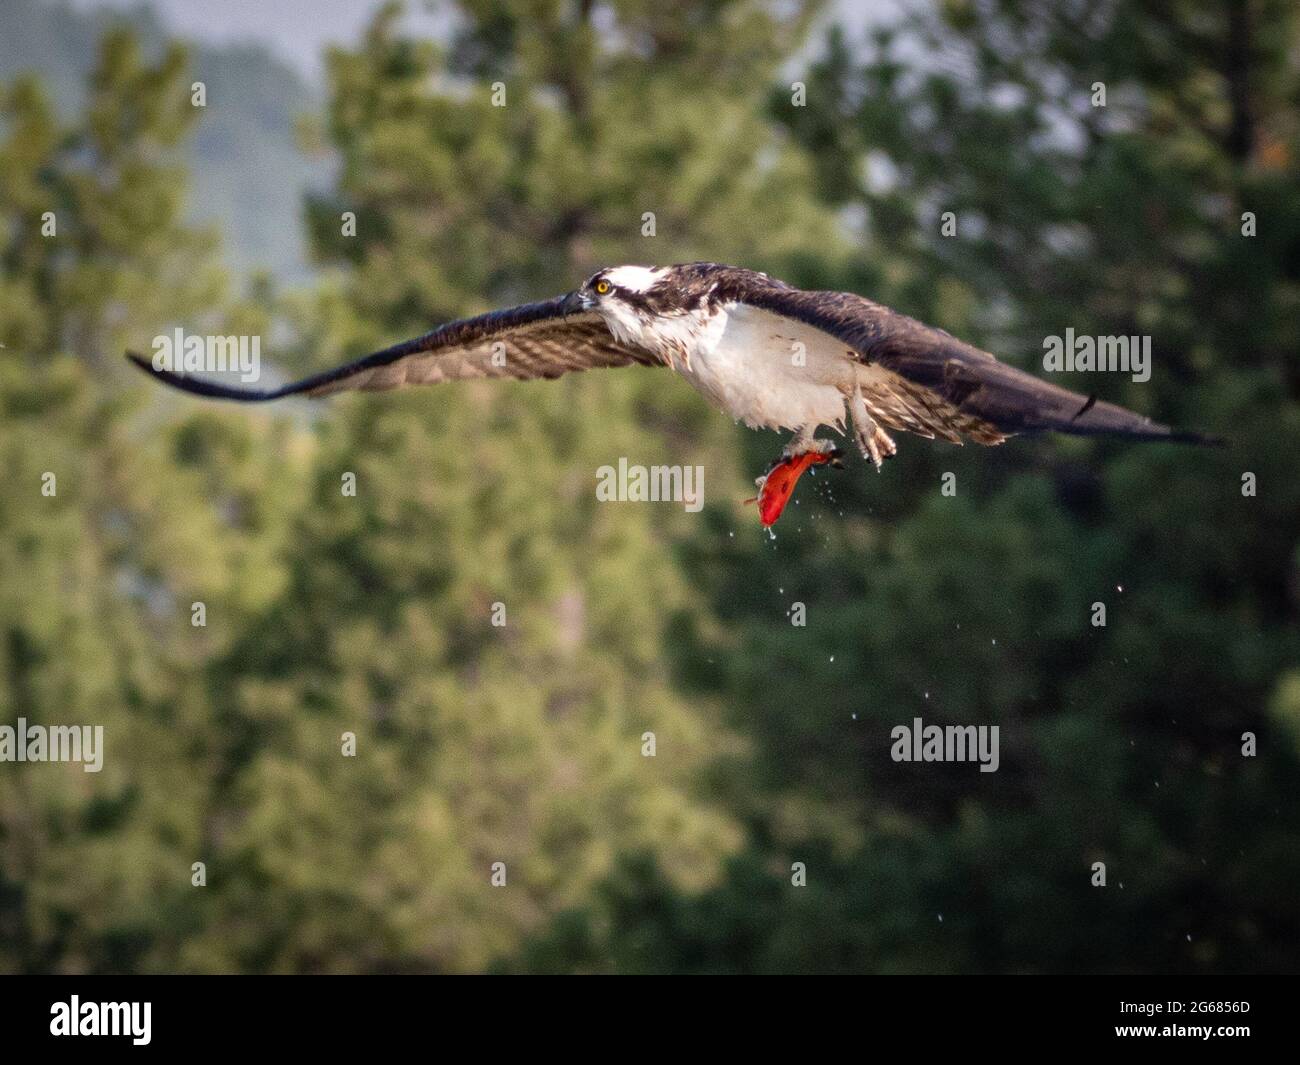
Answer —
536 340
927 381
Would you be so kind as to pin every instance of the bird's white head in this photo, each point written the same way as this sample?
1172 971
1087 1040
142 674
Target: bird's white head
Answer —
624 297
639 279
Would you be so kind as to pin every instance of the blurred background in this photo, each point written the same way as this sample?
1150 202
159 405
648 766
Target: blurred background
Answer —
523 743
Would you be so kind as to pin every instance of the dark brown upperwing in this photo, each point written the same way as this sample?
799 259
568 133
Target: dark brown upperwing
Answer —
536 340
950 386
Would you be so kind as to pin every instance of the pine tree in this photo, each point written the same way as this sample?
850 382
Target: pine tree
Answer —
112 526
491 635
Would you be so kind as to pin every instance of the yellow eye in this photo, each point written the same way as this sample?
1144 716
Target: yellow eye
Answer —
602 287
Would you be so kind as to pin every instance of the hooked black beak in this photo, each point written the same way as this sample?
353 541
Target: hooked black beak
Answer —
575 303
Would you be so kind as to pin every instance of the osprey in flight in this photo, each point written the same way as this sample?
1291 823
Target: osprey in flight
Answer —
773 356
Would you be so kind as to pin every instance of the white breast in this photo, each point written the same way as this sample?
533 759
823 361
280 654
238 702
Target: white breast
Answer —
766 370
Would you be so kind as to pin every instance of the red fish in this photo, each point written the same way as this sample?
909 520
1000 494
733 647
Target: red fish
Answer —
778 485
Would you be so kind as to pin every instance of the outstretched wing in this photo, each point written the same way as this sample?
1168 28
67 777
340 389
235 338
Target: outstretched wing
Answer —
537 340
926 381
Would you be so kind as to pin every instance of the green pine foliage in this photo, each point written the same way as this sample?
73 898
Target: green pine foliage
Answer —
456 665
